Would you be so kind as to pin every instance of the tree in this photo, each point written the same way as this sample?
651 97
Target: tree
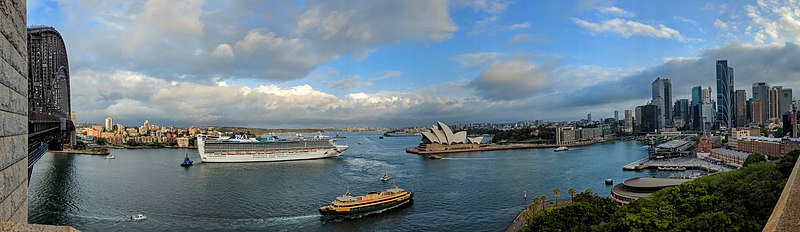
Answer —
556 193
572 193
786 164
754 158
544 200
101 141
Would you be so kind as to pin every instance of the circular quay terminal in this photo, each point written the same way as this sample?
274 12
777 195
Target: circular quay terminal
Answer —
641 187
392 115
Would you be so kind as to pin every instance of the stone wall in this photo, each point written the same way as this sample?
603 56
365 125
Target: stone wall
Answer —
786 214
13 112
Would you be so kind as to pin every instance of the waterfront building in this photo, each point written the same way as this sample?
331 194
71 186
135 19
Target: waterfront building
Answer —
771 147
628 122
740 132
440 138
761 93
109 124
704 145
616 116
672 148
183 142
650 118
565 135
641 187
662 99
729 157
702 109
740 109
724 94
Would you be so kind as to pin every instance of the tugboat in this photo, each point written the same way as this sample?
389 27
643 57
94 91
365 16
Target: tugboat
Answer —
347 205
138 217
561 149
186 161
609 181
385 178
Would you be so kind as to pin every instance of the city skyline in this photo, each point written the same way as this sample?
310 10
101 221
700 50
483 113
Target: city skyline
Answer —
315 64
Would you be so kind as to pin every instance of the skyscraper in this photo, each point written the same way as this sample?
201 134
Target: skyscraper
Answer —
637 125
740 109
662 98
628 121
109 125
616 116
774 104
702 110
757 107
785 100
761 93
589 117
724 94
682 110
650 118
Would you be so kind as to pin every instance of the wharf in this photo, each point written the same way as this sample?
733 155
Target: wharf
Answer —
81 152
680 162
496 147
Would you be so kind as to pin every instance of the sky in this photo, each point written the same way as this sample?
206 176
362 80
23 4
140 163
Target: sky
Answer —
334 63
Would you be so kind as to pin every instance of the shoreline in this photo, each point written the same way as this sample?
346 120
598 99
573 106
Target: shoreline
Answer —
80 152
508 146
520 220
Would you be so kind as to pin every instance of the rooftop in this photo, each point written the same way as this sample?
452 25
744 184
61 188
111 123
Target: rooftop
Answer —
673 144
761 138
730 153
647 182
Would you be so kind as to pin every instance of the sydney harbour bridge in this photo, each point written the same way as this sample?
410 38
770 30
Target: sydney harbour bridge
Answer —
49 122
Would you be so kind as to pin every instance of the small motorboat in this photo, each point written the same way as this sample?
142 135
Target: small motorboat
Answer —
609 181
434 157
385 178
381 137
186 161
359 143
561 149
110 156
138 217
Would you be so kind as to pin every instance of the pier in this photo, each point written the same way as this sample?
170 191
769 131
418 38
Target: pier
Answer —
678 162
496 147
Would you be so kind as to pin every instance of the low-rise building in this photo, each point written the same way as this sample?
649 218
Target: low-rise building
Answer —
641 187
183 142
730 157
771 147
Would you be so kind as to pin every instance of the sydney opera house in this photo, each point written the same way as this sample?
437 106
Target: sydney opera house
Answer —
441 139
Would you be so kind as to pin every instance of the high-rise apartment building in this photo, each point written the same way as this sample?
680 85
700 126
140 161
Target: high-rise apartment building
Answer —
724 94
628 121
682 111
637 125
740 109
109 124
616 116
774 104
757 107
785 101
650 118
761 93
662 98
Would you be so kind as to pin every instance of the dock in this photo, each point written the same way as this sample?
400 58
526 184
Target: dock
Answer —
497 147
678 162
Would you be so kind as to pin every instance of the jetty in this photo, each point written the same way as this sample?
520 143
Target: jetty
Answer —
82 152
678 163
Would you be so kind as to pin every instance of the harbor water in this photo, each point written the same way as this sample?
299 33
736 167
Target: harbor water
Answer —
481 191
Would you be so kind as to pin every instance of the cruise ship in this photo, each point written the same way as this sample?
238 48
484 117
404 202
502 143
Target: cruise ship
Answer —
241 148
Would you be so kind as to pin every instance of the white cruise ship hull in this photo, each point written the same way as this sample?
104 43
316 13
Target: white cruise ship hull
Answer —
240 151
274 157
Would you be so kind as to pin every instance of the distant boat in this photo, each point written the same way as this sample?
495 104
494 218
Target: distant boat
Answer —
110 156
359 143
609 181
385 178
186 161
339 137
381 137
561 149
138 217
434 157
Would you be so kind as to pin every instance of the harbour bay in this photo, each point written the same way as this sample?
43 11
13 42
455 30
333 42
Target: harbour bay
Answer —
478 191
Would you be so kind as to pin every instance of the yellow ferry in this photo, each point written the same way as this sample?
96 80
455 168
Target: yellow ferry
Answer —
349 205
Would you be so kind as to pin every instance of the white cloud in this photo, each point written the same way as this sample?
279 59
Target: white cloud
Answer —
224 51
518 26
774 21
488 6
511 80
522 37
722 26
615 11
478 59
628 28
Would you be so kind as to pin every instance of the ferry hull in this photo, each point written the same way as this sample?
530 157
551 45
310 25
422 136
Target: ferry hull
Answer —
369 209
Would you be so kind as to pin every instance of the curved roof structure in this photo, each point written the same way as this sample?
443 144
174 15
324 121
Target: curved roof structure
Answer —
442 134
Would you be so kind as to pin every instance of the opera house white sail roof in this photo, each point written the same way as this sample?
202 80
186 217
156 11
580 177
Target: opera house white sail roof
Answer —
442 134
